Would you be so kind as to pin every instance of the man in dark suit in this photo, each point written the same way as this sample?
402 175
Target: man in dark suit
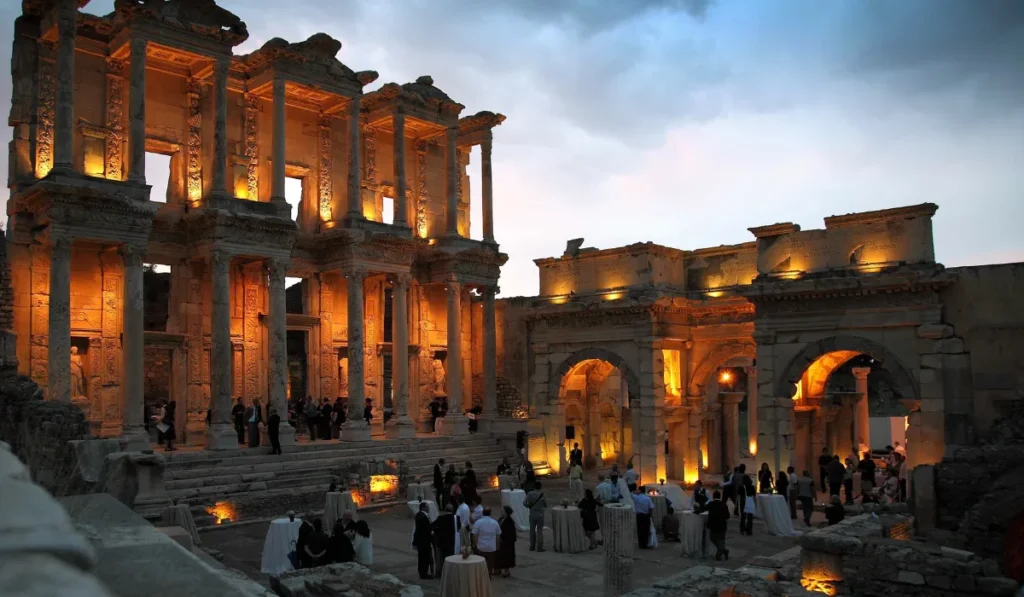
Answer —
421 540
444 538
718 517
238 417
439 483
576 455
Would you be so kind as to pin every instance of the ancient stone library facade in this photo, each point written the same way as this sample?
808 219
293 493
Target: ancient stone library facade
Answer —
767 351
382 228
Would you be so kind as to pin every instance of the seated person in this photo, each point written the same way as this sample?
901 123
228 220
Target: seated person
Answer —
670 525
835 513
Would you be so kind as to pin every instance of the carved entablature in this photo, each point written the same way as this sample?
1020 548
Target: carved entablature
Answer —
470 266
420 99
100 210
310 62
592 316
379 253
202 17
239 234
477 128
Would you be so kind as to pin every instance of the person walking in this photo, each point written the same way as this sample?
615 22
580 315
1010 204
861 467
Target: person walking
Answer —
805 494
536 503
718 524
421 540
273 430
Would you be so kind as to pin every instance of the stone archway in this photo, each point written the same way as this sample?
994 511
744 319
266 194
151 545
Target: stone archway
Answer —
718 357
599 354
846 347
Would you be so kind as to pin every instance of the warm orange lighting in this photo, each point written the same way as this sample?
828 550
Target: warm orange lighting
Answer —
906 423
222 511
559 300
753 447
791 275
494 481
671 372
432 241
613 296
242 187
818 586
799 392
358 498
870 269
691 475
383 484
715 293
725 377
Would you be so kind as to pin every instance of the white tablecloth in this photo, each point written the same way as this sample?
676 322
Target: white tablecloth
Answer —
676 495
693 535
520 514
567 530
508 482
627 497
773 510
414 507
419 491
659 511
338 502
281 538
465 578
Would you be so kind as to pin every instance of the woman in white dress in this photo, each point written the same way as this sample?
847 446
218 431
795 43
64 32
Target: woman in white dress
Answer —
362 543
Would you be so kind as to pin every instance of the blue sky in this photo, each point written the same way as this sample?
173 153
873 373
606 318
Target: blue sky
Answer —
684 122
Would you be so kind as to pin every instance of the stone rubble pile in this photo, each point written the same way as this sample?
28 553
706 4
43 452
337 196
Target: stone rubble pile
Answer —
341 580
706 581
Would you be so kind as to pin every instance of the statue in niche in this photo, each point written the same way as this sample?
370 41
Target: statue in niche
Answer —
343 377
77 374
439 378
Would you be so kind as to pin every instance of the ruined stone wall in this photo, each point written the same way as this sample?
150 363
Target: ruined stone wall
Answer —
721 267
157 362
644 264
513 345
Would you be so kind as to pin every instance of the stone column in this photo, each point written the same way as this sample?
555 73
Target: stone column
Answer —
221 434
715 463
487 189
277 157
59 348
400 353
692 464
278 336
133 351
356 428
220 127
751 409
731 415
137 111
844 425
401 209
67 26
355 199
618 529
861 420
490 358
456 422
451 213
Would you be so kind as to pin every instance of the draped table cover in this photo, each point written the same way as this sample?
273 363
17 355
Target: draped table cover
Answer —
774 511
508 482
338 502
414 507
567 530
180 515
280 541
465 578
674 494
627 497
693 535
514 498
659 511
419 491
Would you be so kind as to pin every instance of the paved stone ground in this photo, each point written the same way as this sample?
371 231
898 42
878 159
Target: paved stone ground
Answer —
547 574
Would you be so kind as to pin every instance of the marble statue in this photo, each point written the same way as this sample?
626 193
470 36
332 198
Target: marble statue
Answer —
439 378
343 377
77 374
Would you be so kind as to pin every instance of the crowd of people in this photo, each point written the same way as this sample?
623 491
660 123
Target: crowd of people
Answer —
350 541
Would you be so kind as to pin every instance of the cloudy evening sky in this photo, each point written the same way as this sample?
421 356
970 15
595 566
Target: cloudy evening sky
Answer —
684 122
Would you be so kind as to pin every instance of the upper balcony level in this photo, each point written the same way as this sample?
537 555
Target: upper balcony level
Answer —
283 131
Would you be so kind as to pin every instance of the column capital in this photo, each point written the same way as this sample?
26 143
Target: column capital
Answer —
453 285
138 44
860 372
278 266
750 370
59 241
356 273
116 67
489 291
220 261
403 279
132 254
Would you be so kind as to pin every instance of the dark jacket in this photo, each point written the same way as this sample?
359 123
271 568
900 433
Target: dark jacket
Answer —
835 513
339 548
444 532
836 472
438 477
718 516
421 534
273 424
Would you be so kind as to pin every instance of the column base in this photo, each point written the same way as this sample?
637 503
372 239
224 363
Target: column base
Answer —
135 439
286 435
221 436
455 426
355 432
404 428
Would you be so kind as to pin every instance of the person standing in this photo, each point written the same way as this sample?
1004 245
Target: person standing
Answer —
536 503
836 472
439 493
326 410
469 484
631 477
575 481
718 524
699 498
368 411
848 480
421 540
867 474
805 494
576 455
169 434
642 506
787 487
485 538
238 416
729 489
764 479
588 516
506 557
273 429
254 416
312 414
823 462
444 528
749 506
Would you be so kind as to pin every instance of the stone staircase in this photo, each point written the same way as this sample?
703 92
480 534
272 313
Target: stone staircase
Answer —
255 483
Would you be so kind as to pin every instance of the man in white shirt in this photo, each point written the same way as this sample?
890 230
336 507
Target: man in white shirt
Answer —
477 512
605 492
485 538
462 514
643 506
631 477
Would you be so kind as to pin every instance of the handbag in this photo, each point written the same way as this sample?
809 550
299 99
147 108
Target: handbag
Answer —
293 557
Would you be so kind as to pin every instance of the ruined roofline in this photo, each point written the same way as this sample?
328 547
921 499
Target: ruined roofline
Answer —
724 249
646 247
926 210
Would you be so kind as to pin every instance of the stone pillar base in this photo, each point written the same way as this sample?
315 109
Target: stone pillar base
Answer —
402 429
285 435
357 432
456 426
221 436
135 439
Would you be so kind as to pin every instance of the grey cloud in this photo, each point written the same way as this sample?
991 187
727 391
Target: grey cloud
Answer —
594 16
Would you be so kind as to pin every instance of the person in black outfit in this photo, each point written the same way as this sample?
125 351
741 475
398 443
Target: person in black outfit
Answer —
474 424
576 455
317 544
421 540
444 538
867 474
170 434
746 490
469 485
273 429
835 471
339 548
435 413
506 560
718 524
835 513
312 414
305 530
238 416
325 419
368 411
823 461
588 513
729 481
339 418
442 499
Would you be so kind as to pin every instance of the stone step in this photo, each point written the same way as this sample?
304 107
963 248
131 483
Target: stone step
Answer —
268 466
